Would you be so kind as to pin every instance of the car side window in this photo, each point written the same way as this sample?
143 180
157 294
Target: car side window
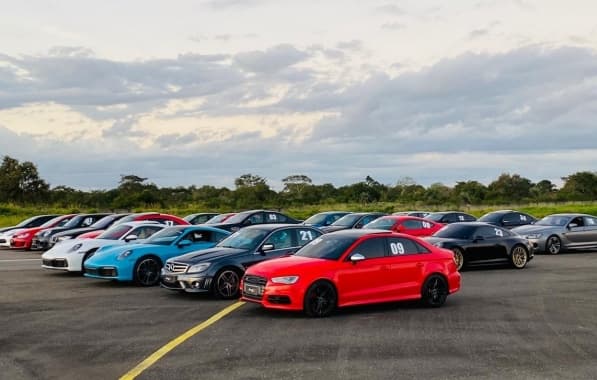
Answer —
371 248
144 232
87 221
256 218
280 239
279 218
578 221
167 222
403 246
590 222
489 232
304 236
413 224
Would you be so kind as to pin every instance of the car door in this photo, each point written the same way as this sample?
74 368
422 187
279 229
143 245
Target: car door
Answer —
406 268
575 231
486 244
590 231
367 280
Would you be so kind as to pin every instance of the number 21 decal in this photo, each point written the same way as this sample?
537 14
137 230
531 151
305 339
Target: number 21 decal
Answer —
306 235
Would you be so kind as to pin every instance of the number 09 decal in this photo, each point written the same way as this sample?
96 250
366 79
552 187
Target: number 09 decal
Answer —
397 248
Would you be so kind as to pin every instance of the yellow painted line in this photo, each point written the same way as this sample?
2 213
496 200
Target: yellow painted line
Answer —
177 341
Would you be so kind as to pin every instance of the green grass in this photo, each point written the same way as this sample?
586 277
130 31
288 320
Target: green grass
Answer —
11 214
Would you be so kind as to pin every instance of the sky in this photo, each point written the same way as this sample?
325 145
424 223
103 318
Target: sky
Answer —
201 92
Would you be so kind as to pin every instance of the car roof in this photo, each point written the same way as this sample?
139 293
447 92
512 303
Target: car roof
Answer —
141 223
357 232
275 226
570 214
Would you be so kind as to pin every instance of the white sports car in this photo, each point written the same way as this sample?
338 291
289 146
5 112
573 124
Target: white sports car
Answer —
70 255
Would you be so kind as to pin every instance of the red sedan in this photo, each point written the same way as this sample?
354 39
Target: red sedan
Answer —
167 219
23 239
353 267
410 225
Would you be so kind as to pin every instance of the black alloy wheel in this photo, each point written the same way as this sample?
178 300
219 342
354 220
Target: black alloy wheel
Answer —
434 291
227 284
320 299
147 271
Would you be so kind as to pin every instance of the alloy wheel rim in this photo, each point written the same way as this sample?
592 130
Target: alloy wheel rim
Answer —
519 257
436 290
554 245
458 258
228 283
148 271
322 300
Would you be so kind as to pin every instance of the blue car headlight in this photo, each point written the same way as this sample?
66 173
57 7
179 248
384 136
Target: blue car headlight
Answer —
125 254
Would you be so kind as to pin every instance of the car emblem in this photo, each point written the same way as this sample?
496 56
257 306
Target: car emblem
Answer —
169 266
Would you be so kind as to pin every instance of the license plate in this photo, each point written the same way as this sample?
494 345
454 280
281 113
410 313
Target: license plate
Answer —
253 290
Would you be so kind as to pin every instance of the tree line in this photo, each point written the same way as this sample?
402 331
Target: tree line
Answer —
21 184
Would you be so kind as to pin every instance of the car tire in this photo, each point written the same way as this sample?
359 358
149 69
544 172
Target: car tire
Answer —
519 257
147 271
87 254
553 245
226 284
320 299
434 291
458 258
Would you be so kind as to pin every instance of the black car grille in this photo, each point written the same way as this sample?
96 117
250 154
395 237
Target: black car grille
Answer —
2 240
174 267
56 263
103 272
255 280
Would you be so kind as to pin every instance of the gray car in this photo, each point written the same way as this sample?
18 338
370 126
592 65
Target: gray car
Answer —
560 232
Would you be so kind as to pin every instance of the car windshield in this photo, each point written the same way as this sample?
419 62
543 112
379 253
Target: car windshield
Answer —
244 239
347 220
238 218
57 222
74 222
115 232
553 220
329 247
436 216
218 219
316 219
165 237
455 231
103 222
381 224
492 217
27 221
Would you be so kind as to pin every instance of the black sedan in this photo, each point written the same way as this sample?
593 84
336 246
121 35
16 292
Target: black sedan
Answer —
42 240
101 224
218 270
507 218
200 218
448 217
253 217
353 220
479 243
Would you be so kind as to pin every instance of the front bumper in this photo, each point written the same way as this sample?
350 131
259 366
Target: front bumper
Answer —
106 272
57 264
273 296
20 243
189 282
40 244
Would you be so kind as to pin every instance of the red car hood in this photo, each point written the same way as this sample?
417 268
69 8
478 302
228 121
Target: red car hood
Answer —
290 265
90 235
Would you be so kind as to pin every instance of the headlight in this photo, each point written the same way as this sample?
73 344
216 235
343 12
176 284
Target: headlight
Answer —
198 268
22 236
288 280
438 244
125 254
61 238
45 233
533 236
75 247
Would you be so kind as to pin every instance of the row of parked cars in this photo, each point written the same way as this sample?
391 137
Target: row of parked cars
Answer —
331 259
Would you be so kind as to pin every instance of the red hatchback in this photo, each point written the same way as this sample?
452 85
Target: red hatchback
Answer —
410 225
23 239
353 267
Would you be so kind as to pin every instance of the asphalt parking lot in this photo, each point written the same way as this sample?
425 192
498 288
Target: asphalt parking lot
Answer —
536 323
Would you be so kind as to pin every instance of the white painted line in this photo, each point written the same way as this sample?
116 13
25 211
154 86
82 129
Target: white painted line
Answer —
18 260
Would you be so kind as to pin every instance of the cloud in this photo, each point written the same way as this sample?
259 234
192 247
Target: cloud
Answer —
272 60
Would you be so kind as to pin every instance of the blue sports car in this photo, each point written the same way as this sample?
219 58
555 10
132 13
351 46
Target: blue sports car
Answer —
141 263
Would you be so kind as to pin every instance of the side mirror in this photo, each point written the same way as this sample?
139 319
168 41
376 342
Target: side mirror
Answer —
184 243
572 225
267 247
131 238
359 225
356 257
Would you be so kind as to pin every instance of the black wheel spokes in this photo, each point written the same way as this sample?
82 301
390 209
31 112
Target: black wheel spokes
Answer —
147 272
436 291
228 284
322 300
